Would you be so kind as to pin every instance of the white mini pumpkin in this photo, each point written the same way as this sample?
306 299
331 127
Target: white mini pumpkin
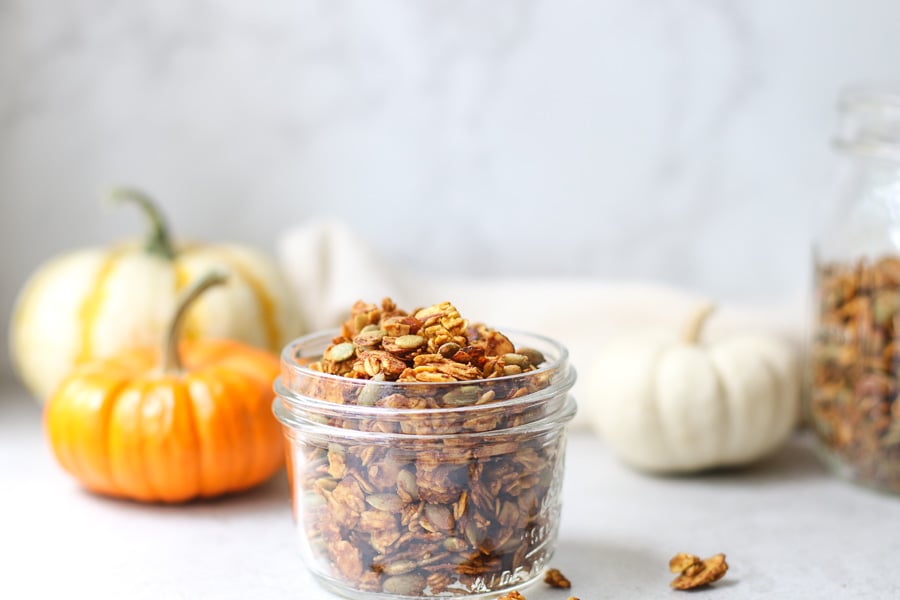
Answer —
672 405
95 302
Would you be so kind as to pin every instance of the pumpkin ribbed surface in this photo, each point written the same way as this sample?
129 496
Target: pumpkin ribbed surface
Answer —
125 428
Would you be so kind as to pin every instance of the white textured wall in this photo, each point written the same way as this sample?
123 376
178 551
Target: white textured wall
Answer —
682 141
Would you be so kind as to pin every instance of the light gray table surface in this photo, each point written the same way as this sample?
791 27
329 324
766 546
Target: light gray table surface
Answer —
789 529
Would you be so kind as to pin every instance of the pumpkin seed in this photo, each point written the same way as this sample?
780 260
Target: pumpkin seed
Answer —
326 485
516 359
370 394
534 356
370 328
455 545
385 502
368 339
336 449
312 501
410 342
472 533
463 396
399 567
512 370
340 352
439 516
430 560
406 481
449 349
404 585
320 419
486 397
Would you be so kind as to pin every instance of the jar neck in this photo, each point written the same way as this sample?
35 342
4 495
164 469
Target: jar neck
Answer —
870 122
863 221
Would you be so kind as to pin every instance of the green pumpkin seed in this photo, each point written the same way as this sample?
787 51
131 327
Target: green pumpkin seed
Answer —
463 396
512 370
312 501
516 359
534 356
340 352
409 342
455 545
370 394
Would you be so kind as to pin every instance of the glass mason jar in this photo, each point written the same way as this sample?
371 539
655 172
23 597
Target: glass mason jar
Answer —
423 490
855 356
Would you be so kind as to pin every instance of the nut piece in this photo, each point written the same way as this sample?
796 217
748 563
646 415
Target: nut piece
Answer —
554 578
696 574
513 595
682 561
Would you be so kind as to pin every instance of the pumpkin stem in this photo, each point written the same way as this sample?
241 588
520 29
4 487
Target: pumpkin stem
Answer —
695 325
171 357
158 242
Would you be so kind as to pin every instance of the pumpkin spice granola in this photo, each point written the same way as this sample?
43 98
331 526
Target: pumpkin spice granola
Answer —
459 502
554 578
695 572
853 403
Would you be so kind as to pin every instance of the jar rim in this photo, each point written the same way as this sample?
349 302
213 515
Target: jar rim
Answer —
870 120
870 95
559 373
374 412
556 419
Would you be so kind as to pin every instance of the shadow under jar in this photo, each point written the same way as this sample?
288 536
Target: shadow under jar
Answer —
423 490
854 400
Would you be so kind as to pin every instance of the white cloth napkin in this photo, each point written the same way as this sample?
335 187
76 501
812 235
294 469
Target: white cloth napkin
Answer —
330 268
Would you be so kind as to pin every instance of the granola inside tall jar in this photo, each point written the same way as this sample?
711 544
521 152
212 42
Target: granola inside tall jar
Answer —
425 452
853 401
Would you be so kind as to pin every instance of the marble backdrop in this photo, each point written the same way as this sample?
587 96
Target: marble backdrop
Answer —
681 141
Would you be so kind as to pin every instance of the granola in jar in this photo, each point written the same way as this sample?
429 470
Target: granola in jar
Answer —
426 452
853 402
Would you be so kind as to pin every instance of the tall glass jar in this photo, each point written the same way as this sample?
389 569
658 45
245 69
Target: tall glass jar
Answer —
855 356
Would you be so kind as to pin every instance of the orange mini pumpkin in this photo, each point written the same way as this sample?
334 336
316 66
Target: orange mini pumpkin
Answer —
193 420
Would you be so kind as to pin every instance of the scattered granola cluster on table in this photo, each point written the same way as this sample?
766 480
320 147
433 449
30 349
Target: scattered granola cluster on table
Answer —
516 595
694 572
855 396
555 578
428 515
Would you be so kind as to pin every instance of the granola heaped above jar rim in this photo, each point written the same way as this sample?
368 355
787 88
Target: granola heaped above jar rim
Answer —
417 408
431 359
427 345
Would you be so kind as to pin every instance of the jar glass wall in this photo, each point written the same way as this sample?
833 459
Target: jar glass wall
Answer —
392 500
855 356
